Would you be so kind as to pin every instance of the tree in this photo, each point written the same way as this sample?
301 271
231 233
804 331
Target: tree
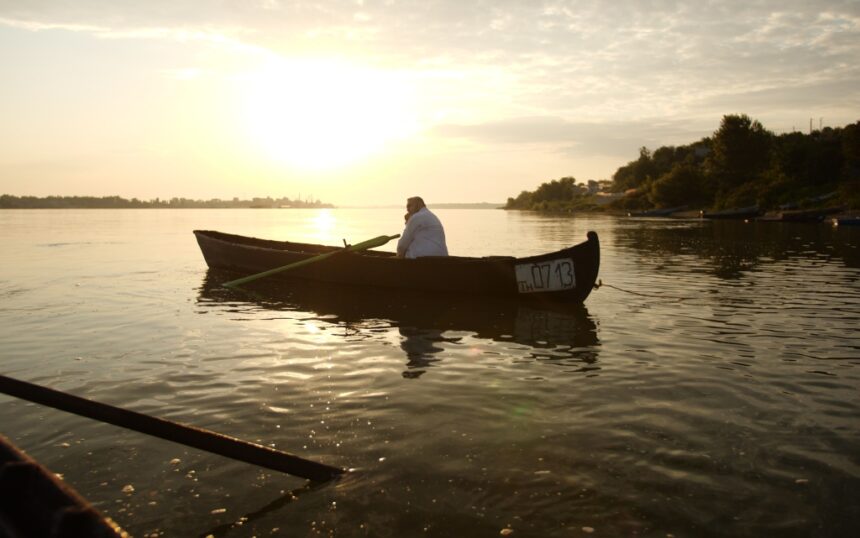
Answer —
635 173
741 164
851 152
739 153
523 201
564 189
684 184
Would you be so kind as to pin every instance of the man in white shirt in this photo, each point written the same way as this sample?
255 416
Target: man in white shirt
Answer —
423 235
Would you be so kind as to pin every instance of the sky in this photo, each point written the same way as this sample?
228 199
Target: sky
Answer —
367 102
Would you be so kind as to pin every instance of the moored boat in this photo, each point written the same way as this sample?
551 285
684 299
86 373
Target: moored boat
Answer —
803 215
847 221
564 276
662 212
739 213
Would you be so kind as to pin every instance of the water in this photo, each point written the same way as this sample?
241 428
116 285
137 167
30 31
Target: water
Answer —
717 396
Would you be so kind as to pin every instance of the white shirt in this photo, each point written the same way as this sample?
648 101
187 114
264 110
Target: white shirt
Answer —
423 236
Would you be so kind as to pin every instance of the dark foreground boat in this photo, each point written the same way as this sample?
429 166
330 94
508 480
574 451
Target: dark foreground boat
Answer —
565 276
34 502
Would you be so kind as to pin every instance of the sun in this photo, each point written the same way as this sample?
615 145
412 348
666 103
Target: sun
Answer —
324 114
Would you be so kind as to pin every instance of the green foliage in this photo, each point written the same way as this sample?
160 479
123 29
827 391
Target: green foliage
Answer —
851 152
849 193
558 195
635 173
564 189
740 152
634 201
684 184
523 201
775 188
812 162
741 165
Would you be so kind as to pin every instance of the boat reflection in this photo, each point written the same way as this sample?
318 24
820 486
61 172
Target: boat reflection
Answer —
425 322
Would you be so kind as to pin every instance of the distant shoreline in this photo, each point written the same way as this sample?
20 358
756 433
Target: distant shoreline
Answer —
8 201
321 206
449 205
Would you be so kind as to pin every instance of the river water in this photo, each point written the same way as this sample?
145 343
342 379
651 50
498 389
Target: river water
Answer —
710 388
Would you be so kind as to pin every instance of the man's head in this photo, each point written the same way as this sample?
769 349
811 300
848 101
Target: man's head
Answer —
414 204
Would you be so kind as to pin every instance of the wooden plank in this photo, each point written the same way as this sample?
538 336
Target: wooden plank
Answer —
178 433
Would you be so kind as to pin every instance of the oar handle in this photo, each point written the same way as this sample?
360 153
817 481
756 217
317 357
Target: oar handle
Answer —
178 433
370 243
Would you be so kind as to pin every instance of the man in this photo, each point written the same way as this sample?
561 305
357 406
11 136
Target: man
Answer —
423 235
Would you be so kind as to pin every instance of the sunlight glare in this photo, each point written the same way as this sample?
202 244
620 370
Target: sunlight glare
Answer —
323 223
324 114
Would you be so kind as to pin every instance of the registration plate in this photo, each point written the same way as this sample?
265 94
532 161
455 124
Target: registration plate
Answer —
550 275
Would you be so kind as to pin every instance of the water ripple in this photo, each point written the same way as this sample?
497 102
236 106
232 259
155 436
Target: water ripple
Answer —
720 398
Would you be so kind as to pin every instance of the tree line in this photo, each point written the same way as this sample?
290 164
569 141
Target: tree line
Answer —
8 201
742 164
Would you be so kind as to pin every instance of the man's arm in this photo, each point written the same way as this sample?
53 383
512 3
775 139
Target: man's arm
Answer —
406 238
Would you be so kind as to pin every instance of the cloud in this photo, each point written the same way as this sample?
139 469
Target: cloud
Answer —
217 36
626 35
811 96
579 139
585 76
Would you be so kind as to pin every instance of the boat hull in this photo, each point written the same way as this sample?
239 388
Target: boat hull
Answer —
803 215
665 212
733 214
36 503
565 276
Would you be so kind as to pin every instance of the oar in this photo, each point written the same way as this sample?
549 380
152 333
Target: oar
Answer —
370 243
178 433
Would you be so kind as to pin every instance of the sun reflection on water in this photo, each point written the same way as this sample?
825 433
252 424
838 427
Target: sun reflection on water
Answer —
323 225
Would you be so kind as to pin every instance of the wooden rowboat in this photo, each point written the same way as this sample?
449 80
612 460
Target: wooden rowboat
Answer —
564 276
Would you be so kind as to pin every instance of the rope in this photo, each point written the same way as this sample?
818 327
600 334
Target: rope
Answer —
600 284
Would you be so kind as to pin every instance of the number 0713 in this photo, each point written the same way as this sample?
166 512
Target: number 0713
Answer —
550 275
